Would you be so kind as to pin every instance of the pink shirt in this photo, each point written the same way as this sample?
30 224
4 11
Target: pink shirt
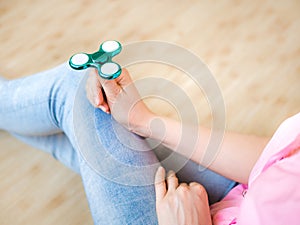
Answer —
272 195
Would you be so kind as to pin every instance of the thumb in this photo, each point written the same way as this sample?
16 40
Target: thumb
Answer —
124 79
113 88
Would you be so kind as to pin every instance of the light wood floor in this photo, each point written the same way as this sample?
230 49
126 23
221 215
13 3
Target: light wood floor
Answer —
251 47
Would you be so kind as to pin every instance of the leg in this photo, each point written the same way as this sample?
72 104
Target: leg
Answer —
41 106
26 109
113 167
57 145
216 185
28 105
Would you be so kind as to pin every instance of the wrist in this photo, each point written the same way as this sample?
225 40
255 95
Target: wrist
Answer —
142 125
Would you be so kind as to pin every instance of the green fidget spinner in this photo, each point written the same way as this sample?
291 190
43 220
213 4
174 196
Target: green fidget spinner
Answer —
101 60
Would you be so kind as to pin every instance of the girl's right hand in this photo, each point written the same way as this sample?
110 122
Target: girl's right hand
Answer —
120 98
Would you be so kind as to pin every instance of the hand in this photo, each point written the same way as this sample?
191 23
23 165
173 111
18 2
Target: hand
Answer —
180 204
120 98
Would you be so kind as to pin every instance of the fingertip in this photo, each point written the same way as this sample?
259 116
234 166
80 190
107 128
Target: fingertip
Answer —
161 170
160 174
106 106
170 173
125 71
93 72
160 185
124 77
102 108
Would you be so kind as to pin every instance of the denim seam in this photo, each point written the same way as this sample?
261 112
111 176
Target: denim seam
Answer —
52 118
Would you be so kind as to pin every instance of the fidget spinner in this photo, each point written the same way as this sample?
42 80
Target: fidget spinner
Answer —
101 60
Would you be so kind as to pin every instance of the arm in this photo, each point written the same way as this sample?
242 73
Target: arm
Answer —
236 157
238 152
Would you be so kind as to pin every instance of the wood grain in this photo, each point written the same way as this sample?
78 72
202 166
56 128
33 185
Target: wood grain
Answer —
251 47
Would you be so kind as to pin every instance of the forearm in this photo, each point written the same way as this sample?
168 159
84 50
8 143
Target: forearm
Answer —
235 158
238 155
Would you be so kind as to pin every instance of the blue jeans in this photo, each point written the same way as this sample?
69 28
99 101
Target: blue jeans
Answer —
38 110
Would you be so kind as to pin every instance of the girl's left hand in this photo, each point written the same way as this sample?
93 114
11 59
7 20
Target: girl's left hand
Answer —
180 204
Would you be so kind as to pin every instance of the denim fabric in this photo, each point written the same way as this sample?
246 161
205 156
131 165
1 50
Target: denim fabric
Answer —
39 110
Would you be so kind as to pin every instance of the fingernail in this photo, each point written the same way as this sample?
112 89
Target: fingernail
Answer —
160 168
170 173
102 108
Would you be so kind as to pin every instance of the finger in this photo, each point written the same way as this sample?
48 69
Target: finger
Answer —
111 88
172 180
93 87
96 87
197 188
124 79
101 99
183 187
95 91
160 184
97 94
90 97
105 107
195 184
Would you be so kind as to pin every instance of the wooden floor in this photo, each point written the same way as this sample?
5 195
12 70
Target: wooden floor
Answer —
251 47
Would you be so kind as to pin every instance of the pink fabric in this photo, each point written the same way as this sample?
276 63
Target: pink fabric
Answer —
272 195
